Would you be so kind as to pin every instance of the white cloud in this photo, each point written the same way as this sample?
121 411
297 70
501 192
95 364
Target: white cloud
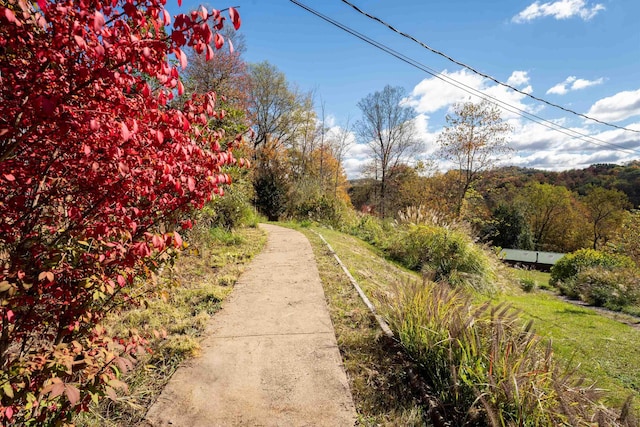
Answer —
435 93
518 78
561 9
618 107
573 83
583 83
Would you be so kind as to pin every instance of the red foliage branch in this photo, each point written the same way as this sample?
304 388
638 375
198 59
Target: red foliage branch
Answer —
92 160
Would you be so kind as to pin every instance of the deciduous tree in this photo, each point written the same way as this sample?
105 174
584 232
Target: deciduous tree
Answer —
388 129
474 139
606 212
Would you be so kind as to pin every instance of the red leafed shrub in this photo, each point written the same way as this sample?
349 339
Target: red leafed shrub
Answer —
97 170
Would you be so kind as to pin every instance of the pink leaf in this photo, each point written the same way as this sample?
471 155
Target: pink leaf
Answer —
180 88
230 46
177 239
11 17
191 183
73 394
80 42
125 131
9 413
235 17
9 177
98 21
166 17
159 136
10 315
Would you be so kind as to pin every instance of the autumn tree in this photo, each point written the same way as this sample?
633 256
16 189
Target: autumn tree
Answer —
226 74
606 212
276 107
340 142
555 217
388 129
98 174
626 239
474 139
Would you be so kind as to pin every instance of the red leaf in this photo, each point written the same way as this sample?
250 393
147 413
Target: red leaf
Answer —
235 17
179 3
209 53
9 413
121 281
180 56
93 124
230 46
180 88
191 183
10 316
43 5
166 17
9 177
159 136
219 40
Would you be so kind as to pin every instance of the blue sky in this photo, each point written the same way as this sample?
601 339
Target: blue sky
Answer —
581 54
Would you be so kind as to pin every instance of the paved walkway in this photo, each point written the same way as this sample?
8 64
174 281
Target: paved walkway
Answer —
270 357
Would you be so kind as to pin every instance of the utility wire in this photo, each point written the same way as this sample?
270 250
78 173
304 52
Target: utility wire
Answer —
530 116
486 76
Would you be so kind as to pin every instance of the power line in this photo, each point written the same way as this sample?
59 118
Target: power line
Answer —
486 76
513 109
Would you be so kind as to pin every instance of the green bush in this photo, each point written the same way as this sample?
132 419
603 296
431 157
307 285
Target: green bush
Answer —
445 254
612 289
528 284
570 265
324 209
370 229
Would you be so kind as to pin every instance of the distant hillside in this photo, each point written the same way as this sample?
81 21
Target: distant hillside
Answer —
625 178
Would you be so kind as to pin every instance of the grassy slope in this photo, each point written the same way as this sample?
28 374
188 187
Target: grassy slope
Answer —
377 370
605 349
180 304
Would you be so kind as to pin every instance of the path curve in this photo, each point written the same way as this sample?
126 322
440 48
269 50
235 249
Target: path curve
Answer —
270 357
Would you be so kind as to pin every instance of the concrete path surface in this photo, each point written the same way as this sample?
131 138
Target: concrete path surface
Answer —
270 357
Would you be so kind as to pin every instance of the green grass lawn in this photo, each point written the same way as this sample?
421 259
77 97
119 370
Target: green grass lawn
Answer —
605 350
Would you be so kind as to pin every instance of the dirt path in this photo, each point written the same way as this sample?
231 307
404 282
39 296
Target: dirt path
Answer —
270 357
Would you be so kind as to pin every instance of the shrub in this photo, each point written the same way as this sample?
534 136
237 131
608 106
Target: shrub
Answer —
571 264
94 162
611 289
370 229
446 254
323 209
528 284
